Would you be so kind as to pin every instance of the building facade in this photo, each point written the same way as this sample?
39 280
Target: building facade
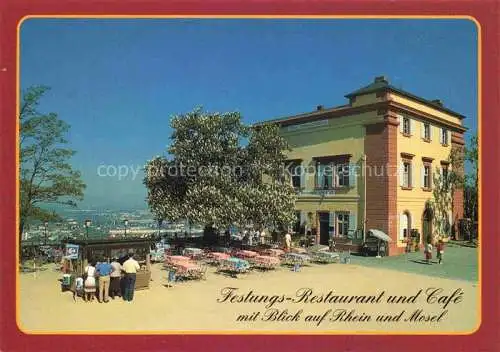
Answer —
370 164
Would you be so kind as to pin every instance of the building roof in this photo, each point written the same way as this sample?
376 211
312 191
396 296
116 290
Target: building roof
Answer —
321 111
381 83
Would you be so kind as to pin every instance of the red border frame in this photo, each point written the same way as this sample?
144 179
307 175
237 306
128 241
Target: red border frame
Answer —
485 339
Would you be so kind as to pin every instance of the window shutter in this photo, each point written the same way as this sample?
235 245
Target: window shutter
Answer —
422 176
401 225
413 128
303 218
401 174
448 133
319 176
401 128
422 130
302 177
430 132
413 178
431 181
353 224
332 223
333 172
352 175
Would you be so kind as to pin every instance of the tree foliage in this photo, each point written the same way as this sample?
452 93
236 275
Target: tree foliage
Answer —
444 187
221 172
471 180
46 176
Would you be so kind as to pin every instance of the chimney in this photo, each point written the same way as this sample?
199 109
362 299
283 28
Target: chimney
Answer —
381 79
437 102
319 107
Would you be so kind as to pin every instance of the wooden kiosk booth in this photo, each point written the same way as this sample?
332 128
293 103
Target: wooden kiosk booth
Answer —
95 249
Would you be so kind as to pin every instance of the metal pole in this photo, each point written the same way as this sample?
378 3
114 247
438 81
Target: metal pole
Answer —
364 206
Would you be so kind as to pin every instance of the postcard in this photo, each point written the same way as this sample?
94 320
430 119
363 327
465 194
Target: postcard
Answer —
247 176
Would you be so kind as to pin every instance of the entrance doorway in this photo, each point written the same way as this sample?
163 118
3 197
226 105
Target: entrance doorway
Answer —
324 227
426 225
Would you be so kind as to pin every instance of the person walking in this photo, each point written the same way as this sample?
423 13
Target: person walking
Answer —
428 252
115 276
130 266
440 251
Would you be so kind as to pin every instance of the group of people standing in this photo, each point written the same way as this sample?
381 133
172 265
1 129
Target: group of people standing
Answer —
105 279
253 238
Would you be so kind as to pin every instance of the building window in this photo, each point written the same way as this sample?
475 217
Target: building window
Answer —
406 174
325 177
342 224
427 132
342 175
295 170
404 226
406 126
444 136
427 176
332 176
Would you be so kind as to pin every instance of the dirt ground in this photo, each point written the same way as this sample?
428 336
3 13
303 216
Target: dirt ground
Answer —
193 307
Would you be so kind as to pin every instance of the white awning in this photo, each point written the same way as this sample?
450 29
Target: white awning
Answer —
380 235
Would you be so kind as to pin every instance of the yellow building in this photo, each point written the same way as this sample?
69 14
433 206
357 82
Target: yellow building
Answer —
369 164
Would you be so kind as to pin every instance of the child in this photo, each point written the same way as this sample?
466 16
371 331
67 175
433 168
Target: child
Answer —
428 253
440 251
78 288
171 277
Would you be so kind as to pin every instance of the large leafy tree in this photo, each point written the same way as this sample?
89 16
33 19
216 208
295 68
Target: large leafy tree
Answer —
221 172
46 176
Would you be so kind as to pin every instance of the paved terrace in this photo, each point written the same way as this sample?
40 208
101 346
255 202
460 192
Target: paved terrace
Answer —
459 263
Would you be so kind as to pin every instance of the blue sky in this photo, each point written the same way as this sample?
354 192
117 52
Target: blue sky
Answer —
118 82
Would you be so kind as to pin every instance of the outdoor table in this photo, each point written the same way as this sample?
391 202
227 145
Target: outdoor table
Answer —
192 252
274 252
246 254
176 259
325 257
235 265
219 256
296 258
299 250
189 269
265 261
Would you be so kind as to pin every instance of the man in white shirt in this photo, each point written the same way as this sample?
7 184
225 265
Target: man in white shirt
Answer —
130 266
288 241
262 237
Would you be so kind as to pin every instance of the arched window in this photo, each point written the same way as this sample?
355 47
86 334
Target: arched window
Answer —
404 225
